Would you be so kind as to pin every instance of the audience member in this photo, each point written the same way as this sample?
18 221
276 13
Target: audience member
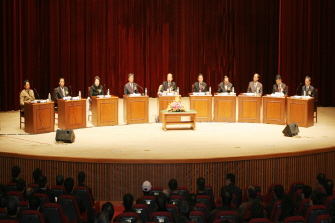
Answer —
230 186
278 195
21 185
60 180
43 188
102 217
16 170
287 208
173 185
37 173
226 197
34 203
251 193
201 184
192 201
320 181
109 209
328 190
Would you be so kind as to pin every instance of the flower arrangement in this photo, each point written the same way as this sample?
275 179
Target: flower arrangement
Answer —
176 105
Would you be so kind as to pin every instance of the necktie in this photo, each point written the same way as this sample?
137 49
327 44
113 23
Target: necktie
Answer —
225 87
278 88
132 88
200 87
255 86
63 92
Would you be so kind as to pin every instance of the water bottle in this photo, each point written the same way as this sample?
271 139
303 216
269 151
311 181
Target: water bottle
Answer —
210 90
232 90
145 92
108 92
79 95
177 90
49 97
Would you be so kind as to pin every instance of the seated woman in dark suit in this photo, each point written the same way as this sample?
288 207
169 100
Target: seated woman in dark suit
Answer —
96 88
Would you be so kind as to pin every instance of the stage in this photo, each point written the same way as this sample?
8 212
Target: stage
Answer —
145 151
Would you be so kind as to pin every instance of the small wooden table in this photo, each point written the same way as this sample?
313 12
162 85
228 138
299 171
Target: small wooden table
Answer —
71 114
135 109
39 117
274 110
300 111
105 111
224 108
162 103
166 115
249 108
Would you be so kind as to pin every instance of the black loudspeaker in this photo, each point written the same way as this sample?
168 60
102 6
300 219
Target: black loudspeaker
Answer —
65 135
291 129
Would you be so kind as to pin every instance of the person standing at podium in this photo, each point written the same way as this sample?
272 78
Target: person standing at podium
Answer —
279 86
131 86
26 95
61 91
169 85
225 86
308 88
96 89
200 86
255 86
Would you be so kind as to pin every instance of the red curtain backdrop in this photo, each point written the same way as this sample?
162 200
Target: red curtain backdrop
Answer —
80 39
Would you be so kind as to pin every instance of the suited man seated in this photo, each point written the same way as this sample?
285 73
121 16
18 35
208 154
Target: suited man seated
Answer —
61 91
131 87
169 85
200 86
225 86
255 86
279 86
308 88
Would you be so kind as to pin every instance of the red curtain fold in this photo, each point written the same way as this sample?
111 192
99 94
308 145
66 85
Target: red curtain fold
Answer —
80 39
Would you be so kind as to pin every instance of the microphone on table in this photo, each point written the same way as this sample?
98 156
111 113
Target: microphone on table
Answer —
37 93
296 92
140 87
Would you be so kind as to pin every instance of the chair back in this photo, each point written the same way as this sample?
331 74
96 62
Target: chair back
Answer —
30 216
85 196
70 207
143 211
53 213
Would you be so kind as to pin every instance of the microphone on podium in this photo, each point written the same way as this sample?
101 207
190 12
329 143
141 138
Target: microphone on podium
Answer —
37 93
296 92
140 87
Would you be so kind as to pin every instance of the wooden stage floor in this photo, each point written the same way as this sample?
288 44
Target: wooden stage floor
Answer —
148 143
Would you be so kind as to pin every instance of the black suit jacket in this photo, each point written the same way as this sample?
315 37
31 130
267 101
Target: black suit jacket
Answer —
282 86
95 91
165 86
50 195
128 90
222 88
310 92
196 87
59 93
235 190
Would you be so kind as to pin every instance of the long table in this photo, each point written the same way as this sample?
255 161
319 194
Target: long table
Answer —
167 119
39 117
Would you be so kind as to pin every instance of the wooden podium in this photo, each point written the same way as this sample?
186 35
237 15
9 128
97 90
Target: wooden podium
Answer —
300 111
71 114
39 117
249 108
162 104
135 109
202 104
105 111
274 111
224 108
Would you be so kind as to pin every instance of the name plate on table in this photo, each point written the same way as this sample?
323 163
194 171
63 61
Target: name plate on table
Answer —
226 94
249 94
301 97
39 101
277 94
199 93
134 95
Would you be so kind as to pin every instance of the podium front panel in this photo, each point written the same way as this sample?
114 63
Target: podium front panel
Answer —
104 111
300 111
39 117
136 109
249 108
71 114
224 108
274 111
202 104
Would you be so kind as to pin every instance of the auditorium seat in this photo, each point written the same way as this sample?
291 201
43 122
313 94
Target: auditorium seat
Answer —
183 191
197 216
8 221
58 190
30 216
313 212
53 213
128 217
323 219
294 219
143 211
298 196
43 198
222 220
268 199
16 194
11 187
156 190
35 186
329 202
70 208
23 206
276 211
204 199
173 209
3 212
161 217
227 215
294 187
245 195
92 208
304 203
259 220
150 201
176 200
202 208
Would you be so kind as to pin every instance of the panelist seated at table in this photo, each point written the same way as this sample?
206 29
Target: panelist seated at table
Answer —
225 86
96 89
26 95
169 85
200 86
131 87
255 86
308 88
279 86
61 91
